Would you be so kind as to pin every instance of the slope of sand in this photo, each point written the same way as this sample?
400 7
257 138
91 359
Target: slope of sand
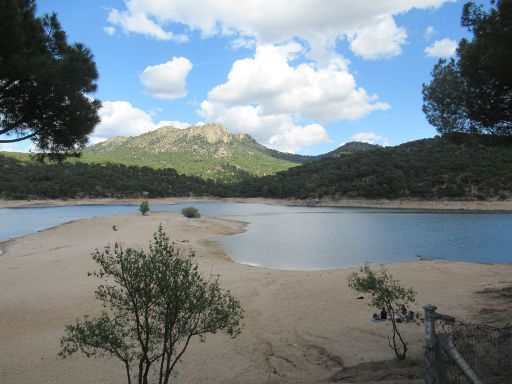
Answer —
300 327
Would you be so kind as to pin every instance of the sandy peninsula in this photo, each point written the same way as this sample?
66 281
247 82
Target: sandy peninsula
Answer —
300 327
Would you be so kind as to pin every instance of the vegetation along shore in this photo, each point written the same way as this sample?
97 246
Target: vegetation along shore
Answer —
454 167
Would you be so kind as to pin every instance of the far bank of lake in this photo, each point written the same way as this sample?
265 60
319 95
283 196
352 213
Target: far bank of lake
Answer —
435 205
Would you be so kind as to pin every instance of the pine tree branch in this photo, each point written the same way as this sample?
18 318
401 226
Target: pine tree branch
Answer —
18 139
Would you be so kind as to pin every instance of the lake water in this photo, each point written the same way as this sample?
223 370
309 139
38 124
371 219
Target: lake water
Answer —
309 238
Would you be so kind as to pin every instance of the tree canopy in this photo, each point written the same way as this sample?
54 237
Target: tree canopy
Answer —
44 82
455 166
155 302
473 92
384 292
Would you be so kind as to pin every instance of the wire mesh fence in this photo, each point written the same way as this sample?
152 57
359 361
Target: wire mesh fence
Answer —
486 349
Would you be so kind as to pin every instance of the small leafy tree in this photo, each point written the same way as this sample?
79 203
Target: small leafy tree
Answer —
191 212
155 303
385 292
144 208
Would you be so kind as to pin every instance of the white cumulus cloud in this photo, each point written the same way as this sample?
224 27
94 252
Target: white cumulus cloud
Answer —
139 22
326 94
370 137
442 48
269 21
382 39
297 137
268 98
174 123
120 118
277 130
167 81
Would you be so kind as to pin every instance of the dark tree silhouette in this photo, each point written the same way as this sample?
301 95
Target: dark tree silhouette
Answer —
473 93
44 83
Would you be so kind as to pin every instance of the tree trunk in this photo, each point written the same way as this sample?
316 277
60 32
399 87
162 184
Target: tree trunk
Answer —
400 351
128 372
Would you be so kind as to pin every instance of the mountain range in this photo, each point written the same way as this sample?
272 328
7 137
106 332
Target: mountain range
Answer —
208 151
456 166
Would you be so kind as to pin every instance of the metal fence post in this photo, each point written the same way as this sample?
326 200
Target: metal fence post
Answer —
430 344
509 350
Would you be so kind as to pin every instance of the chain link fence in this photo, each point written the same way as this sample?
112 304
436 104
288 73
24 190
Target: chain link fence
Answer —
466 353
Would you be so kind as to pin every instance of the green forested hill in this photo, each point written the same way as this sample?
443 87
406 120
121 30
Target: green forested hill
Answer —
25 178
460 166
208 151
347 148
457 167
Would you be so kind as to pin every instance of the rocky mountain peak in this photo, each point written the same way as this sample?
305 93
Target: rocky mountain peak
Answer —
212 132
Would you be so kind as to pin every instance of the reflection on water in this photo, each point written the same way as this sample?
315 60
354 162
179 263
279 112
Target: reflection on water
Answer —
308 238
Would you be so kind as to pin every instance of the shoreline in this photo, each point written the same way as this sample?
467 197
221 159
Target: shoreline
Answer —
300 326
401 204
212 244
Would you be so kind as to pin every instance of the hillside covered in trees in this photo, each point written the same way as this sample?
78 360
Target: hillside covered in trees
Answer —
209 151
456 167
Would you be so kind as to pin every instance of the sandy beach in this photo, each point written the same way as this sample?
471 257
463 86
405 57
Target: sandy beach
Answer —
436 205
300 327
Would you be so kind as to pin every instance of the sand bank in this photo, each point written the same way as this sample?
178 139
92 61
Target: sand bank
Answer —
436 205
300 327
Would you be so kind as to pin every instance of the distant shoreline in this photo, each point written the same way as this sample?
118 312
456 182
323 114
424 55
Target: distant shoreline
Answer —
429 205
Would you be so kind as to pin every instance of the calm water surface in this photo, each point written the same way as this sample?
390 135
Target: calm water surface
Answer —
308 238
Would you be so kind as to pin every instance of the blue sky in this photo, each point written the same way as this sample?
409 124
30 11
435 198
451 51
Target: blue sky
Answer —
301 76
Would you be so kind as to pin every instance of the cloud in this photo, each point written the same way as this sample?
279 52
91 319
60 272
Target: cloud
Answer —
268 98
277 130
120 118
270 21
138 22
110 30
370 137
174 123
167 81
326 94
429 32
382 39
296 137
441 48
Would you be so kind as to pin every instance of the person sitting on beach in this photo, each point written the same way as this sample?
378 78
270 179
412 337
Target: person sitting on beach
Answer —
403 310
383 314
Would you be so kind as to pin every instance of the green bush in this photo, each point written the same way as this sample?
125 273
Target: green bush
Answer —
191 212
160 292
144 208
384 291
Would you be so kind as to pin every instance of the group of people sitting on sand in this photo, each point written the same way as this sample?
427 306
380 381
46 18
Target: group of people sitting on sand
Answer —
401 316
